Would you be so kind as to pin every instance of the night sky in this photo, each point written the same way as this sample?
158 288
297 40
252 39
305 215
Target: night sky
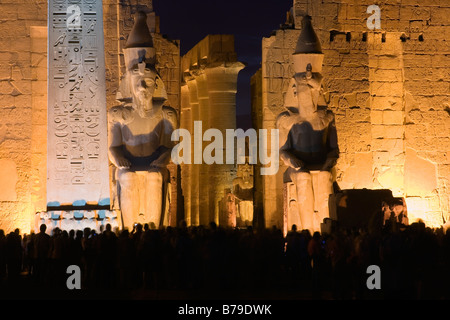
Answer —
249 20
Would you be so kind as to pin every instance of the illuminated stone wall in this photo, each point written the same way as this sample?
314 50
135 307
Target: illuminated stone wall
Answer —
23 90
389 89
23 98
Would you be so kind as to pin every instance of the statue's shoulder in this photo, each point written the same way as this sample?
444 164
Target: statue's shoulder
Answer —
168 111
170 114
325 113
285 118
237 181
282 118
121 113
330 115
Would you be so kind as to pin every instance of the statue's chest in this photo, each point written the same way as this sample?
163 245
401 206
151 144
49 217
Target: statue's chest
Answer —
304 133
310 131
142 130
318 122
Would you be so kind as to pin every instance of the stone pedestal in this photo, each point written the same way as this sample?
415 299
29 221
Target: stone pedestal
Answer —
95 219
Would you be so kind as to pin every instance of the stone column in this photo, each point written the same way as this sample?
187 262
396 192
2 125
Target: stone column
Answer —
222 87
211 89
204 109
194 168
186 169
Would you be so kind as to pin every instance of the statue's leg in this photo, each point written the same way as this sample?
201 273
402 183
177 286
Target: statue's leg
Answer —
246 212
305 198
154 197
322 191
129 197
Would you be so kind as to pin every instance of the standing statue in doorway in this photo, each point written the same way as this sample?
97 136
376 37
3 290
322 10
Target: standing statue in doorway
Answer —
308 138
140 130
243 190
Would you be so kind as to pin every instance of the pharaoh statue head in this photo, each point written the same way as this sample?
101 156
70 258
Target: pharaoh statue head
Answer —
141 85
307 61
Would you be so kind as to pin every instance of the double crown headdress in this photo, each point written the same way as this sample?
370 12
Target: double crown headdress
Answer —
139 48
308 50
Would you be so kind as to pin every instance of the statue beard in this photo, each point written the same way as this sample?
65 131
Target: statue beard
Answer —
143 104
308 95
308 99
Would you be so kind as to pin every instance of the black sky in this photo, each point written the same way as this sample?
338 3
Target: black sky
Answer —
249 20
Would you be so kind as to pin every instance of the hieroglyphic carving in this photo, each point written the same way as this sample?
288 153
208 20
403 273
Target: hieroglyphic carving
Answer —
77 135
168 67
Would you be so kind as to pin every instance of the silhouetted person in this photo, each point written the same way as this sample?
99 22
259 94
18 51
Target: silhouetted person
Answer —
76 248
183 255
294 254
58 256
2 255
315 253
126 260
42 252
28 253
338 252
14 254
88 256
107 257
168 257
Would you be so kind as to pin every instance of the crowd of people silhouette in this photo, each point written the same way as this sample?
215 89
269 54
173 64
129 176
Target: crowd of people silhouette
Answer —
413 261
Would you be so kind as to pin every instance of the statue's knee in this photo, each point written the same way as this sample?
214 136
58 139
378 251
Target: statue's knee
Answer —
301 177
155 176
126 178
325 176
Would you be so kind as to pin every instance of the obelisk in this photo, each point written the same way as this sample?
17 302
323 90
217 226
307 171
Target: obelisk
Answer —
77 161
